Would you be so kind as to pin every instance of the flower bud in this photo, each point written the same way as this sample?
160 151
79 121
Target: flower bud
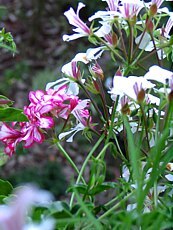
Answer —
97 71
153 10
170 96
141 96
149 25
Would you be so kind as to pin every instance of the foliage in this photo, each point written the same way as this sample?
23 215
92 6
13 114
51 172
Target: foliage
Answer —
133 126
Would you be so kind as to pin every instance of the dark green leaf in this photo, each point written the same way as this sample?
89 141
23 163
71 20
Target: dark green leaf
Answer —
5 188
12 114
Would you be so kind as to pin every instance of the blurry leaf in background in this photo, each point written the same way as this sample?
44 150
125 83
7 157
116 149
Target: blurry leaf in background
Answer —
42 78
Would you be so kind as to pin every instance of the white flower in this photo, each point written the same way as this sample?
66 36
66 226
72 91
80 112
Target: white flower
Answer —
158 74
79 127
13 216
125 86
73 18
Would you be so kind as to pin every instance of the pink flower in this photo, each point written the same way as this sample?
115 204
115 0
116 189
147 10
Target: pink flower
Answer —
79 111
10 137
13 215
32 130
112 4
74 19
130 9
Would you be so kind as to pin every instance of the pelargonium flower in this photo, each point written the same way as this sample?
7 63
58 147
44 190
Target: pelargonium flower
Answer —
130 8
158 74
79 127
125 86
81 28
13 215
77 108
10 137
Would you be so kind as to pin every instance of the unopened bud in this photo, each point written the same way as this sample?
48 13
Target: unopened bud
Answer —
170 96
97 71
153 10
141 96
149 25
125 109
114 39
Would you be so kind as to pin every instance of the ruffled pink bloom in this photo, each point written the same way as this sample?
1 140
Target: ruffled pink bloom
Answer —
32 130
10 137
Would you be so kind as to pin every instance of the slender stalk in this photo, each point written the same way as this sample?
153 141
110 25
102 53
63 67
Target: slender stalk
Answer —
154 44
116 206
111 49
122 41
155 195
85 163
137 46
131 40
92 101
145 125
65 154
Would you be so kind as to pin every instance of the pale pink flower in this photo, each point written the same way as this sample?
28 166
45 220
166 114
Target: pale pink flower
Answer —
81 28
77 108
13 215
112 4
130 8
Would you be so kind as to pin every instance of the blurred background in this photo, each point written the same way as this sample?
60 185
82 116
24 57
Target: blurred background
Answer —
37 27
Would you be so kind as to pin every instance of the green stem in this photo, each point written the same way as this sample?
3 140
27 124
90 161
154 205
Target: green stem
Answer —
130 56
145 125
92 101
85 163
65 154
116 206
111 49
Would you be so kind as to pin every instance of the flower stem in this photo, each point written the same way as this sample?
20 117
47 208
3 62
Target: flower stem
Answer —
65 154
84 165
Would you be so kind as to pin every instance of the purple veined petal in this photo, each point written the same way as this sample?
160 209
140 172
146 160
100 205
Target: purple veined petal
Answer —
168 26
35 96
59 83
94 53
74 19
46 122
157 2
8 132
45 108
112 4
37 135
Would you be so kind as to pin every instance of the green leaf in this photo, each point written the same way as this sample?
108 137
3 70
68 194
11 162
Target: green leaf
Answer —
3 158
5 188
12 114
60 210
80 188
102 187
